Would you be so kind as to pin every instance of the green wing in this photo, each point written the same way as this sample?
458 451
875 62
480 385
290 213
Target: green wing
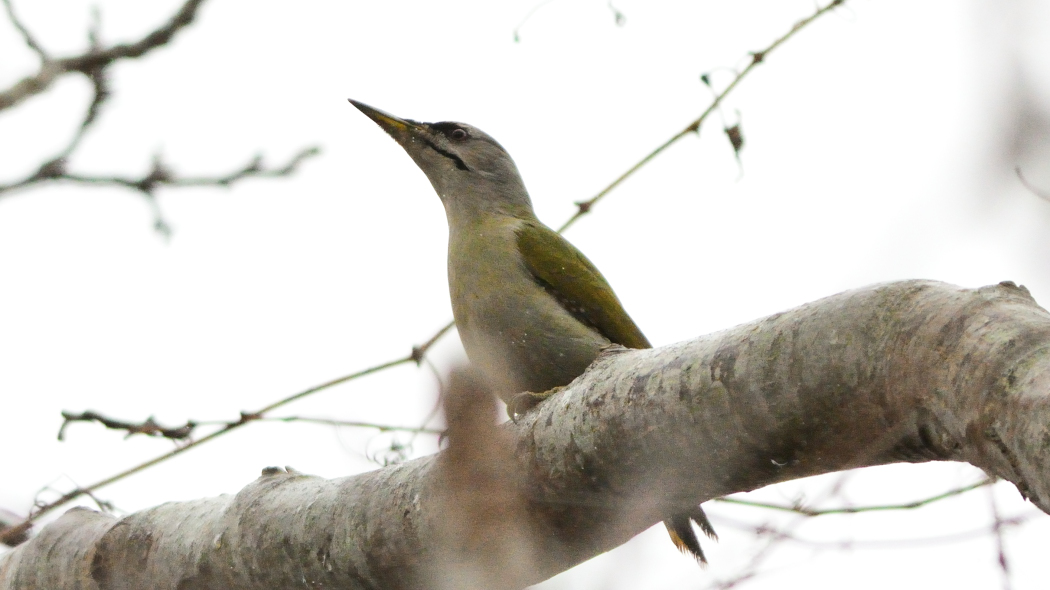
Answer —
580 288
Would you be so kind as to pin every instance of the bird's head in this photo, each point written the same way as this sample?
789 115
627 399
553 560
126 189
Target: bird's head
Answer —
470 171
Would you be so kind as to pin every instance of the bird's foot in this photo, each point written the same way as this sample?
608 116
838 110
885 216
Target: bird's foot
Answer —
523 402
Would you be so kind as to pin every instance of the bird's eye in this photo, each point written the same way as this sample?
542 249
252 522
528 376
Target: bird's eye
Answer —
458 134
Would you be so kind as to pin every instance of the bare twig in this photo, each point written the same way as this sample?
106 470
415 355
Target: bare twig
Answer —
757 57
94 64
149 427
890 543
55 167
355 424
799 509
96 58
246 418
160 175
419 351
21 528
998 524
774 537
30 41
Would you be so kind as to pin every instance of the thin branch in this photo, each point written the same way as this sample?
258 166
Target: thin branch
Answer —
799 509
55 167
517 29
160 175
93 64
946 539
21 528
757 57
997 531
94 59
418 352
30 41
246 417
354 424
149 427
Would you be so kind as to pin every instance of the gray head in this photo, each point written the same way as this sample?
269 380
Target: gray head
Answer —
470 171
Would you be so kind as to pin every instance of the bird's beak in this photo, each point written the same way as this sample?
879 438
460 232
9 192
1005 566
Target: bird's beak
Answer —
400 129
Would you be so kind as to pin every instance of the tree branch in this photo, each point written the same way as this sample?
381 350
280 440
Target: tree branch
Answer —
96 58
902 372
94 64
9 534
806 511
757 57
30 41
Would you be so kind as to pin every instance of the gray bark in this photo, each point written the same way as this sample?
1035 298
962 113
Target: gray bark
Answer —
911 371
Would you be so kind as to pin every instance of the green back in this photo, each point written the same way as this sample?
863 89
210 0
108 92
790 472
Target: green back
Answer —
577 285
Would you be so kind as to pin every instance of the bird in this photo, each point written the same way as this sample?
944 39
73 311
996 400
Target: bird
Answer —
531 310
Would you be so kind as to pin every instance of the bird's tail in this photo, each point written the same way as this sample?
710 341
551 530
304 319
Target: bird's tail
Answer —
680 527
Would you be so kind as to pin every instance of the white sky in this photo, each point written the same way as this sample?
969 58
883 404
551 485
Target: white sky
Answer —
877 149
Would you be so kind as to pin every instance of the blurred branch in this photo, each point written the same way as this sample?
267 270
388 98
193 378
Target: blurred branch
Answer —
94 59
776 536
949 538
356 424
30 41
517 29
9 519
1045 195
21 528
159 176
149 427
998 524
94 64
800 509
757 57
485 538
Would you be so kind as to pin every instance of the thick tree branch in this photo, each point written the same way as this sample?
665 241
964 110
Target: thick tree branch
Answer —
912 371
